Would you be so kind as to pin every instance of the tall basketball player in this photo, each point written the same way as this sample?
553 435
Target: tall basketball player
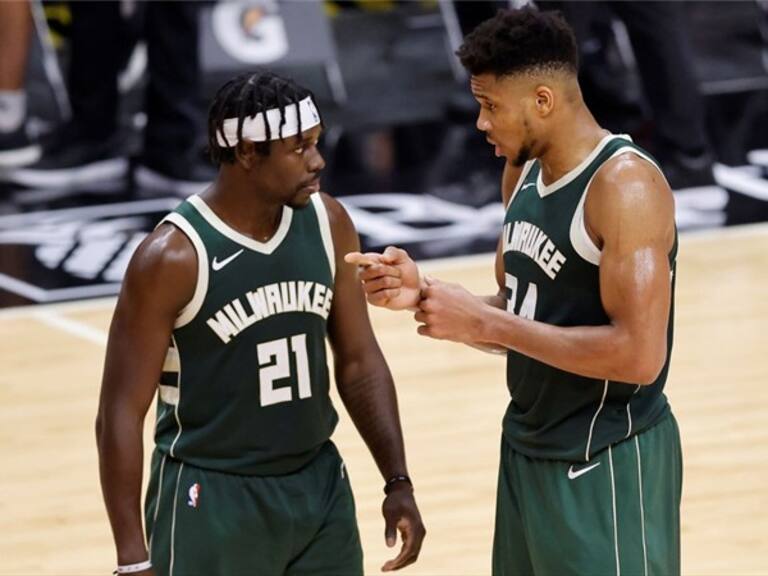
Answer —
223 314
590 473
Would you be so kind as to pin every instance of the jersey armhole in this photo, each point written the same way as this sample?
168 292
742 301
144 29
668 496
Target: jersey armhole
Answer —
192 307
580 239
325 231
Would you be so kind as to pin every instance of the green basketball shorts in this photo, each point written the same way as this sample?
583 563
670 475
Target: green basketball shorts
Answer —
206 523
618 514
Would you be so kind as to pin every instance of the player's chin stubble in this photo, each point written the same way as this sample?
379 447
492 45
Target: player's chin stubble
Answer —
522 156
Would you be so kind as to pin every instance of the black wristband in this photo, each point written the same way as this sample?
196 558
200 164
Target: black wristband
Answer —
394 480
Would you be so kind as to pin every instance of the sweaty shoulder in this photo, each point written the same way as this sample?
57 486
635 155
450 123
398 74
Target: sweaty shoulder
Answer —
164 268
629 194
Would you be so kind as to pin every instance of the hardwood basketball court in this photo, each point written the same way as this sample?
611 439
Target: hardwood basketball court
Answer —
452 399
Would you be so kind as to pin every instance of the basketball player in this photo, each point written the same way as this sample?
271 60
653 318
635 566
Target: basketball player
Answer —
224 313
590 473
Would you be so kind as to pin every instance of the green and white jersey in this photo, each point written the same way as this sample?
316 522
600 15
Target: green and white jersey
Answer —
244 388
552 275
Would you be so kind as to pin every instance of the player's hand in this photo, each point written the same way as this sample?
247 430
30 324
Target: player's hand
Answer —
401 514
449 312
390 279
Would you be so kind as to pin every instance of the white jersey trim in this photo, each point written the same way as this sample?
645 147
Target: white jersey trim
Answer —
173 518
171 363
169 395
642 505
570 176
594 419
629 413
189 311
178 401
225 229
613 504
580 238
325 231
523 175
157 504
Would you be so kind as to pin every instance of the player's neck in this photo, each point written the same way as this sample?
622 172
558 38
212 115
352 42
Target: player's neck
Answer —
242 209
573 140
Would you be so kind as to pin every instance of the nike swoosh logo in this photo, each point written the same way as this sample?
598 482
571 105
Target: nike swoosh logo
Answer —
573 474
528 185
216 265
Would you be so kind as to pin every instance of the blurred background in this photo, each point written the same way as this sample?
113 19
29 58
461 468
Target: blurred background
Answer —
103 111
103 108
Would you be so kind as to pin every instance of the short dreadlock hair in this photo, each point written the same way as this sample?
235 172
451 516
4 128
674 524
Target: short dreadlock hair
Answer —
244 97
519 41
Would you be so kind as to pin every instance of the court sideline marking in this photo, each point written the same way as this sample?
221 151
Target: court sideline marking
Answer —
76 328
52 314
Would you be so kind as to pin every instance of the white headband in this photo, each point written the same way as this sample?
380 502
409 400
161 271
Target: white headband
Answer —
255 130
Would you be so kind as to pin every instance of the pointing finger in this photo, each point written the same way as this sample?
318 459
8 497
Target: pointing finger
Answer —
367 259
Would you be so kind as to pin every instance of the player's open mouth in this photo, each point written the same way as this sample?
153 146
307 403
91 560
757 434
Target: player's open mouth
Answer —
496 148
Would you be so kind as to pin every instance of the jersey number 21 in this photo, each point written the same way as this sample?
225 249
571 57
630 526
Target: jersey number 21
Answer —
274 365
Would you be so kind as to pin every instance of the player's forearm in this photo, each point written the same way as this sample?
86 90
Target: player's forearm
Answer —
496 301
605 352
120 445
368 393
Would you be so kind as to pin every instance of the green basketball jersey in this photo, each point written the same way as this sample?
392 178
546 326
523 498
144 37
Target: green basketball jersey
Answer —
552 275
244 388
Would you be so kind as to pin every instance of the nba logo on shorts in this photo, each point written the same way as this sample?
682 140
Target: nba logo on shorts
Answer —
194 494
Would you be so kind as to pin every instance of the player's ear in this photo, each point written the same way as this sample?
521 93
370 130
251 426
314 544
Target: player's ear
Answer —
544 101
246 154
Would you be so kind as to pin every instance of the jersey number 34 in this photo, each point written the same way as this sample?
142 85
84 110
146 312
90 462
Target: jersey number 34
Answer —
275 365
528 306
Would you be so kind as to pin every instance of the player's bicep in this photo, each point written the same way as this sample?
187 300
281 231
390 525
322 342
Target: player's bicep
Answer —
635 287
633 213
